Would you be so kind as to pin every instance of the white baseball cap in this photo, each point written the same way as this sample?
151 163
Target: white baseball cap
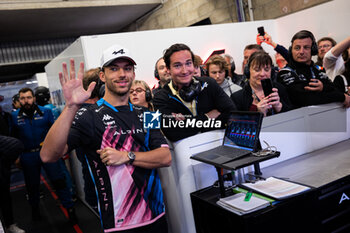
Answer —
114 52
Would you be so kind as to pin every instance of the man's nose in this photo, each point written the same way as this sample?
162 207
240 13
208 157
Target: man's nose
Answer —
121 72
183 69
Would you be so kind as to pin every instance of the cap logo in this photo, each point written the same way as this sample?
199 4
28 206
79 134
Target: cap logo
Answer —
121 51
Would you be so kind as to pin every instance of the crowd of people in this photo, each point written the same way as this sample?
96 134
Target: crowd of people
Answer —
103 118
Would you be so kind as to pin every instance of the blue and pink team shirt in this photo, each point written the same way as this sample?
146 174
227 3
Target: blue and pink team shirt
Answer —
129 196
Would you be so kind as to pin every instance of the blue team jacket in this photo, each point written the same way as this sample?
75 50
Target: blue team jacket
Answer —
32 132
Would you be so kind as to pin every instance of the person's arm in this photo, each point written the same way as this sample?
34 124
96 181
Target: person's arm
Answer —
278 48
267 39
331 58
283 51
339 48
160 157
55 144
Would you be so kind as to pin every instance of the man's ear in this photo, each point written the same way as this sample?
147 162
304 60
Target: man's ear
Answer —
102 76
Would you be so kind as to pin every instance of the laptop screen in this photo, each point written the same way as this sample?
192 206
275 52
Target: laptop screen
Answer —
243 130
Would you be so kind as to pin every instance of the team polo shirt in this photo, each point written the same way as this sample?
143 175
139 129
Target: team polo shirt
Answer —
129 196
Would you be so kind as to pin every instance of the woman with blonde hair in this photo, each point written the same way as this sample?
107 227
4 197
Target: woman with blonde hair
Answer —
141 94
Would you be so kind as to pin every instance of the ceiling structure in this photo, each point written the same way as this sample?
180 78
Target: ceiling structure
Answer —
30 20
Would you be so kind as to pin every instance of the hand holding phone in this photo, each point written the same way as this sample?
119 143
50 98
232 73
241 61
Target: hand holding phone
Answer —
261 31
267 86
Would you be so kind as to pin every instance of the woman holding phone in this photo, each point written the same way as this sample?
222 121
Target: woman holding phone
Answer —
260 93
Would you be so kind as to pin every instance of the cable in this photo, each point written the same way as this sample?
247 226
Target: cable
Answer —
266 151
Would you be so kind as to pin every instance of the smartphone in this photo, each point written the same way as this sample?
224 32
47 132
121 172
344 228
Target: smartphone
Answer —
261 31
267 86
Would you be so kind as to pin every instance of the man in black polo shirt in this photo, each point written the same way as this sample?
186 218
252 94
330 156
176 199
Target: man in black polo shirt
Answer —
306 83
189 104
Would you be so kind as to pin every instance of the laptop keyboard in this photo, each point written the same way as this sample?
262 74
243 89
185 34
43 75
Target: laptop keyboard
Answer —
232 152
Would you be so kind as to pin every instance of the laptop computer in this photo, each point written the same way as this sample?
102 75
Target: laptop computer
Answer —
240 139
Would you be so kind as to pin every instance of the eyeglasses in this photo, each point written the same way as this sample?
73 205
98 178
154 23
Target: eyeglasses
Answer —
324 46
138 90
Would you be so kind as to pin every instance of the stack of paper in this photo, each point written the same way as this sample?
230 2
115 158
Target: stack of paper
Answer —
277 188
238 205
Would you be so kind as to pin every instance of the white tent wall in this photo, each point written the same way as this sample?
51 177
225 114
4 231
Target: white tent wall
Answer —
327 19
148 46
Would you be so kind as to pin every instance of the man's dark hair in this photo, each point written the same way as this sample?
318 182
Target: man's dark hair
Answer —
327 38
254 46
26 89
175 48
90 76
302 35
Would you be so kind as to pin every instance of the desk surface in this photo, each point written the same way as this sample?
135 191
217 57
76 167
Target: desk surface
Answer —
317 168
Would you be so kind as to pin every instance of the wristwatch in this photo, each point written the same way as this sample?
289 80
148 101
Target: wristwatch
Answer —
131 156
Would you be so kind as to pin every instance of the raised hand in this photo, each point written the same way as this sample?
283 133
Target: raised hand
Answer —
72 87
268 40
259 39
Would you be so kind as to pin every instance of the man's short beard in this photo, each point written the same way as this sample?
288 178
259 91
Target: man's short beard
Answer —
118 93
26 104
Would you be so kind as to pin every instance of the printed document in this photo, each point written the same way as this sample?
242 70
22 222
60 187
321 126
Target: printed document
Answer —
238 205
276 188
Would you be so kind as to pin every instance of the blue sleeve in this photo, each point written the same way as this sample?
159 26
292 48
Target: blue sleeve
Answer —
13 124
50 116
